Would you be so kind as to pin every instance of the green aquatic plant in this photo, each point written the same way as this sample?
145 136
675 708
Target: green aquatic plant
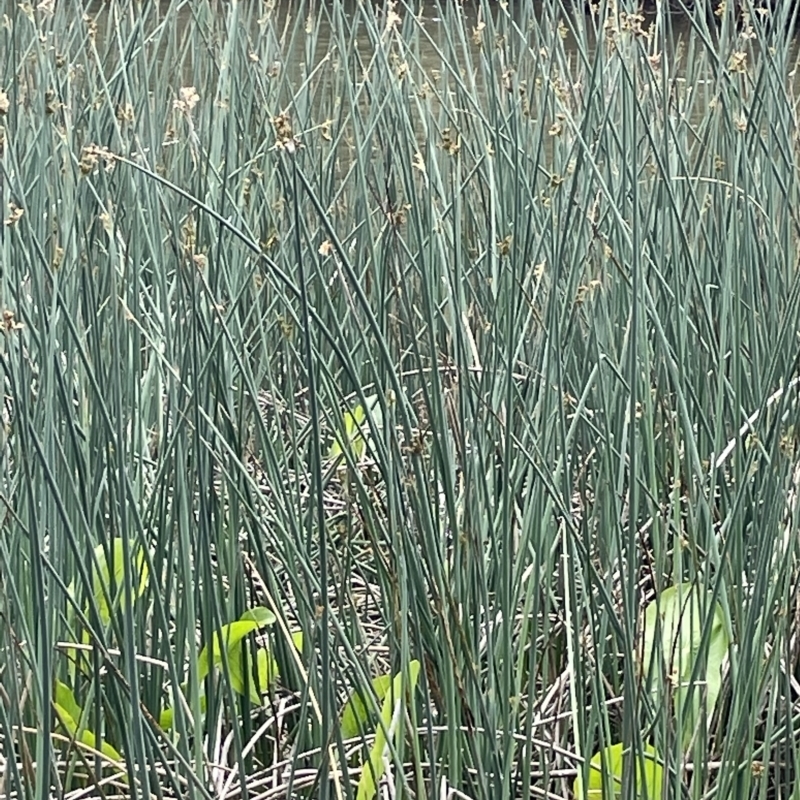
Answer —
606 772
109 594
74 720
394 704
685 643
355 434
356 714
562 250
227 644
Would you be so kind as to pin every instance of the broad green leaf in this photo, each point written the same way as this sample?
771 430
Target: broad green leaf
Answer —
263 616
674 622
266 670
355 428
102 584
66 700
71 725
166 719
231 635
393 704
649 775
355 714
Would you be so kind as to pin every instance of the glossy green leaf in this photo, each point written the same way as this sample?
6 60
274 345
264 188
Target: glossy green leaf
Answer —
230 636
102 584
356 714
393 704
69 715
65 698
355 428
648 782
266 672
673 630
263 616
166 719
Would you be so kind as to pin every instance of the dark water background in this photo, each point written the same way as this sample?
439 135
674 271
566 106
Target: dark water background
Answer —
301 55
298 58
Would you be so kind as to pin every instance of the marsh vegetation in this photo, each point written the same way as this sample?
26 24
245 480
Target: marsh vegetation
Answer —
398 401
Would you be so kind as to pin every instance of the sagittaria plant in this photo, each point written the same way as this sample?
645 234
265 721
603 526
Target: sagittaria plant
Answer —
227 645
108 596
684 644
606 770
